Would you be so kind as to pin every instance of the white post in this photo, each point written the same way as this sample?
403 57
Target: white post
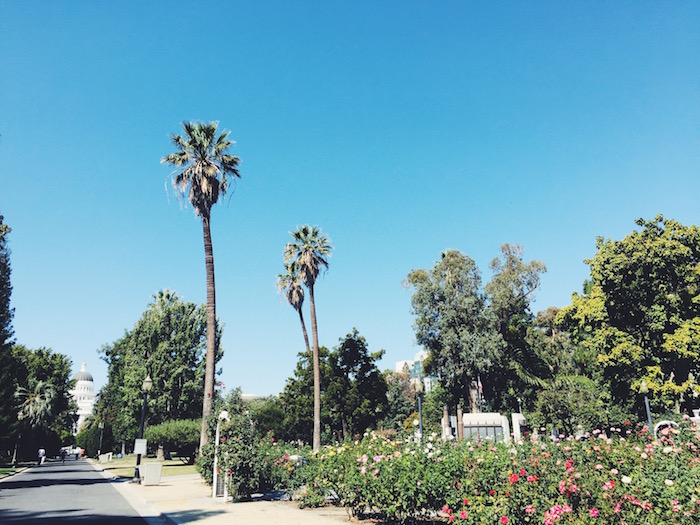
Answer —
216 458
222 415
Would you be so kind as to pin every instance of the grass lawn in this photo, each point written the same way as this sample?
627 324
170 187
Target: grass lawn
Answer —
124 467
6 469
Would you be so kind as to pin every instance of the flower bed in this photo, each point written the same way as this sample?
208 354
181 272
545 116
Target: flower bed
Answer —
625 478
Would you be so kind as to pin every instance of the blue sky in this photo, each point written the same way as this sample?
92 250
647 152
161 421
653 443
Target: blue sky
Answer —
401 129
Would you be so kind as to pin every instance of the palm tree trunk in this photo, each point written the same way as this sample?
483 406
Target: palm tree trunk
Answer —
303 329
211 333
317 373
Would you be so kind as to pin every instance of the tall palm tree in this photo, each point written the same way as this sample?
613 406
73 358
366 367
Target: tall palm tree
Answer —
289 285
309 251
204 172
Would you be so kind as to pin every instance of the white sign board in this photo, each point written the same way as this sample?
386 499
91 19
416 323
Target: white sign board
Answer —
140 446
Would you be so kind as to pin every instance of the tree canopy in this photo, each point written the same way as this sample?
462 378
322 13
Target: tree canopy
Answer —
167 343
454 324
640 313
8 381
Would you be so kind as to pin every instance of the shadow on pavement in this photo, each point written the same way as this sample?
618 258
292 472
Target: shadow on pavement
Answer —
185 516
23 483
26 518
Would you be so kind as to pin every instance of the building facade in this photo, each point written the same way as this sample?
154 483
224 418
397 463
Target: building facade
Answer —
84 395
414 367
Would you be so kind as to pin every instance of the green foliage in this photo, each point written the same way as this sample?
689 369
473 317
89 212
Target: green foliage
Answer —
167 343
354 394
640 315
8 379
297 398
89 438
357 391
401 399
250 463
625 478
268 416
518 369
454 324
43 405
180 436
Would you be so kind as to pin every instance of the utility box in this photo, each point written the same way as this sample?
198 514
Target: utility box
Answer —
151 473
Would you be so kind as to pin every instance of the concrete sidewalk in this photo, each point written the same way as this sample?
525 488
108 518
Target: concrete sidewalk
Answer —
187 499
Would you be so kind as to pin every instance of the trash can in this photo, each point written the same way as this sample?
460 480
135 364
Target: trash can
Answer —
152 473
104 458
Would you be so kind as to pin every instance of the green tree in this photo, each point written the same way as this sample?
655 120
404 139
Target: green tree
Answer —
204 169
8 380
268 416
640 314
167 343
44 407
401 399
309 252
297 398
508 294
568 394
454 324
357 390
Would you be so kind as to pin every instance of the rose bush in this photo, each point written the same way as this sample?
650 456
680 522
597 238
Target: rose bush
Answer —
624 477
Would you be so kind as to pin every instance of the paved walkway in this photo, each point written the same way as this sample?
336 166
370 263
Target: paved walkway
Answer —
187 499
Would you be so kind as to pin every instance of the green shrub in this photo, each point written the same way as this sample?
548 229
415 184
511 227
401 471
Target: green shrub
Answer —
179 436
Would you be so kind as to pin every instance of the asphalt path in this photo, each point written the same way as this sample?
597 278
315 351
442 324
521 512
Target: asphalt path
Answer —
61 493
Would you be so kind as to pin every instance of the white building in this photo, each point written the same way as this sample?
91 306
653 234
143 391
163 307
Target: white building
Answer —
84 395
414 368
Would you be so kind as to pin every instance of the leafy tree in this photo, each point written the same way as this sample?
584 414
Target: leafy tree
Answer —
401 399
167 343
297 398
8 380
44 407
640 314
509 293
268 416
309 252
93 439
357 391
454 324
568 394
203 171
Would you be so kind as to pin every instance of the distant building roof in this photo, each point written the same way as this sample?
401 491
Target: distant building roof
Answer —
83 375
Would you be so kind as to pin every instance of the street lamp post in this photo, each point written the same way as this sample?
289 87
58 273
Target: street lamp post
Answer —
145 387
644 389
223 415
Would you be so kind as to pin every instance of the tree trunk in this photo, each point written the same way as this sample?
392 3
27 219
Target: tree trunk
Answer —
317 373
211 333
303 329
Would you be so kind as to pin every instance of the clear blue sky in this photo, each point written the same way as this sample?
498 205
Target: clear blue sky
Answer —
400 128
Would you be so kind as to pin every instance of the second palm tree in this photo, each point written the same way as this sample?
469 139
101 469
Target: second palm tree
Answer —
306 256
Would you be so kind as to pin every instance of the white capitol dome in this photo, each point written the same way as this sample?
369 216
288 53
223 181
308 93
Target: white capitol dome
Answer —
84 395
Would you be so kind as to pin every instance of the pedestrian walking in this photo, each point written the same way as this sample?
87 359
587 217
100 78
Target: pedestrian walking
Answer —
64 452
41 456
